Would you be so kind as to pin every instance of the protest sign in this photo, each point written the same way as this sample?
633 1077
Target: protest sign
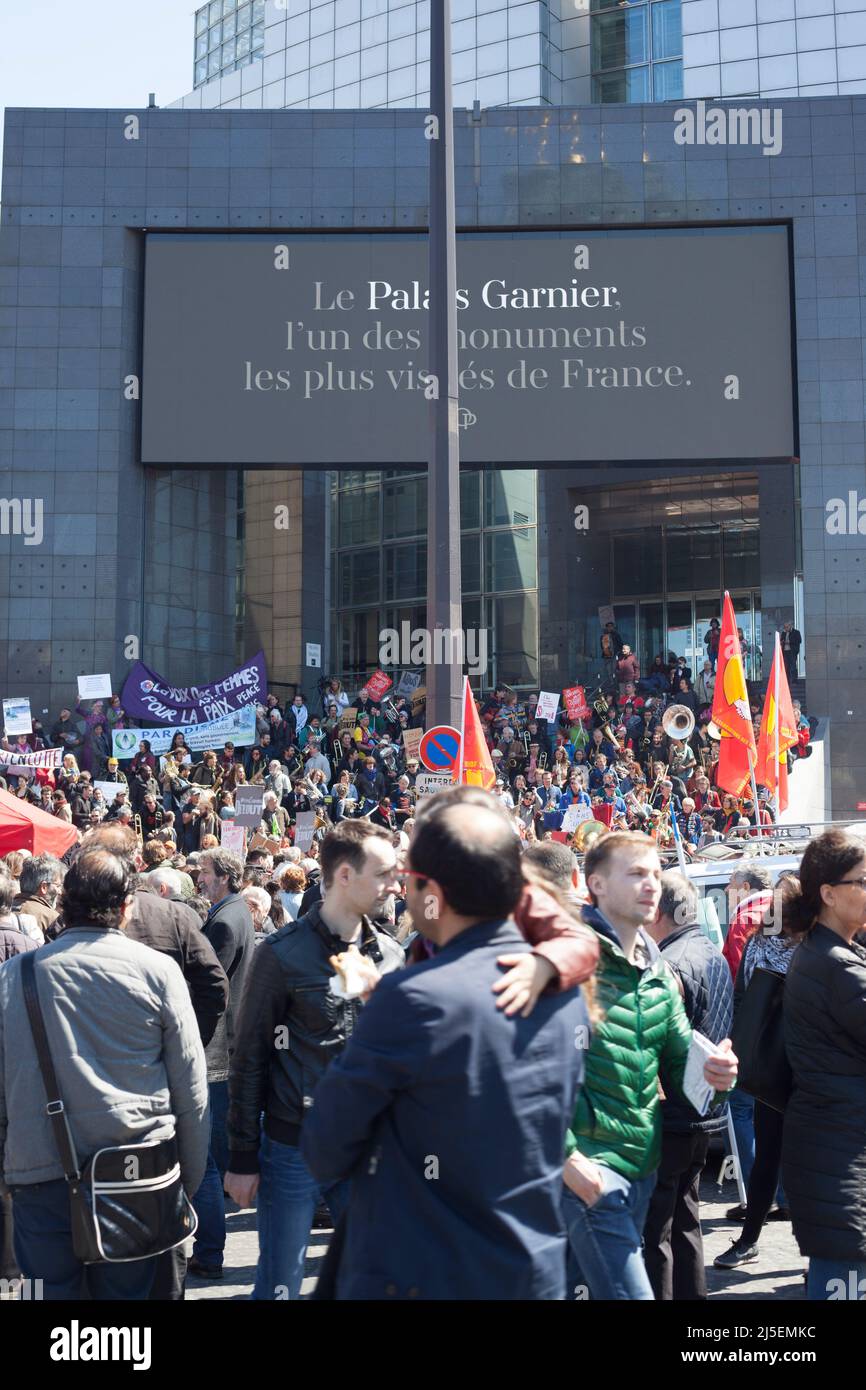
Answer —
94 687
110 789
305 825
17 718
347 719
412 742
408 683
47 757
575 815
426 783
249 802
548 704
233 837
575 702
238 728
147 696
377 685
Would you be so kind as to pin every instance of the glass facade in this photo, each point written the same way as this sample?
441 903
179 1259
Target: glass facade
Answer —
379 574
636 50
229 34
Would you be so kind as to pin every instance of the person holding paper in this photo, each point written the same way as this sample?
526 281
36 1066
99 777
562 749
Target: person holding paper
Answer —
673 1246
613 1146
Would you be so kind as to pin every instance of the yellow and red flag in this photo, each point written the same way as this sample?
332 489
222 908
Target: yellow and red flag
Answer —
778 732
731 713
474 765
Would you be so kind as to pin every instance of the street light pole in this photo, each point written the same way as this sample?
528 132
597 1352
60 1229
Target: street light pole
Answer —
444 609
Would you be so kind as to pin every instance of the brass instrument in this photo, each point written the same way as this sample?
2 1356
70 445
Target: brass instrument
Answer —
678 722
602 708
542 762
586 834
136 820
661 777
525 737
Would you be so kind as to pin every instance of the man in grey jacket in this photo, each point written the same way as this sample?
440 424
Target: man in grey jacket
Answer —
130 1067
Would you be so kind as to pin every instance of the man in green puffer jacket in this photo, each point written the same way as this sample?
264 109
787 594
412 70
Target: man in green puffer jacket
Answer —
614 1143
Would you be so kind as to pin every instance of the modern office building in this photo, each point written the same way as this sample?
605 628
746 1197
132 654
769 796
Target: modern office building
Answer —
184 553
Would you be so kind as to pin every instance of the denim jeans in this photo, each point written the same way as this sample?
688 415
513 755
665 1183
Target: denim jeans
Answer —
836 1280
604 1240
743 1116
287 1200
209 1202
43 1246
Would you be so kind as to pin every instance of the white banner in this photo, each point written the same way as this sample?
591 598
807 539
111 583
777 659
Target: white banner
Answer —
17 718
238 728
94 687
48 757
548 704
575 815
110 789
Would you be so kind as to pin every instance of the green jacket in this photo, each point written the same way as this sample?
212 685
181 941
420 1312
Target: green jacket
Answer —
644 1029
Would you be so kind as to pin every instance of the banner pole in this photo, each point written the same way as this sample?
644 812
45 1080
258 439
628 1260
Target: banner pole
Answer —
777 673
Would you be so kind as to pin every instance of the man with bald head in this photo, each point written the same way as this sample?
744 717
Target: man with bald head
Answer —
448 1115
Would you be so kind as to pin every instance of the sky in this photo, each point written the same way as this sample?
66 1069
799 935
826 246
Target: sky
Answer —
94 52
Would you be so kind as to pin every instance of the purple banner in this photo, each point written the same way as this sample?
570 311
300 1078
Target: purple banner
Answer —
147 696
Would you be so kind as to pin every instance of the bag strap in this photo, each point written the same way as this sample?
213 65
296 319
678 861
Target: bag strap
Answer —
55 1108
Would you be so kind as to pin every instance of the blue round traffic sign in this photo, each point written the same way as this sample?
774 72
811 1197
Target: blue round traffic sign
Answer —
440 747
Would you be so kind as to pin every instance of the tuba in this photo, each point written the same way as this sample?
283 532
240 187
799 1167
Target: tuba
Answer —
678 722
586 834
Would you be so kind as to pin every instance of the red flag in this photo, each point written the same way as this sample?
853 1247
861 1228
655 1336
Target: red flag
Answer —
474 765
731 711
778 732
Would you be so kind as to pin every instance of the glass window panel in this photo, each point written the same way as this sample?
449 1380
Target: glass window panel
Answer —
667 81
258 11
201 21
470 499
359 577
243 21
492 27
509 497
358 643
509 560
492 59
229 6
637 563
515 639
229 28
213 64
257 56
214 11
215 36
228 53
374 61
619 39
405 509
321 49
322 19
201 71
243 45
470 564
742 558
693 559
406 571
679 640
258 32
630 85
359 517
201 46
463 35
651 634
667 29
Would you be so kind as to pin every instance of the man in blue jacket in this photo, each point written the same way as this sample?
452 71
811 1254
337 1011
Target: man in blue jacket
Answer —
450 1117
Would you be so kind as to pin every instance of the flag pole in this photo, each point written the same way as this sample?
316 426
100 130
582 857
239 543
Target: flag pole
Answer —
778 674
462 733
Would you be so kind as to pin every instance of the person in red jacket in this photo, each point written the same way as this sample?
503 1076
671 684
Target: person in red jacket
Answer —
750 894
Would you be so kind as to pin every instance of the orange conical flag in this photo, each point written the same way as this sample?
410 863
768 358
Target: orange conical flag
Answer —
731 711
778 732
474 765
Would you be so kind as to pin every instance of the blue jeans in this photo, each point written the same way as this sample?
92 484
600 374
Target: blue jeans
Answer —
743 1116
604 1240
209 1202
43 1246
835 1280
287 1200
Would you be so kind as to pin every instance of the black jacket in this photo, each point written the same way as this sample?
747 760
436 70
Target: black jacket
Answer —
290 1027
175 930
708 998
824 1145
371 785
230 931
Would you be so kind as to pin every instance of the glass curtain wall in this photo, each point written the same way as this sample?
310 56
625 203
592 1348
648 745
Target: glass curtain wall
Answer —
379 575
636 50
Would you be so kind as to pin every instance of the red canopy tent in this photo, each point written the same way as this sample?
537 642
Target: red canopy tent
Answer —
23 826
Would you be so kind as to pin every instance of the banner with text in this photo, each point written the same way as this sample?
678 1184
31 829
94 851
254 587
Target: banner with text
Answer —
148 696
238 728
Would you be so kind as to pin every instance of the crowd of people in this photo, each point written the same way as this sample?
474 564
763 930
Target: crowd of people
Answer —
495 1108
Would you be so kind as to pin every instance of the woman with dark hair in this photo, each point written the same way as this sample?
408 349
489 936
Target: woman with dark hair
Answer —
771 946
143 758
130 1069
256 765
824 1143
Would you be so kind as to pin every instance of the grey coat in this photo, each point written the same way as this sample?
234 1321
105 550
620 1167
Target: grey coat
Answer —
126 1049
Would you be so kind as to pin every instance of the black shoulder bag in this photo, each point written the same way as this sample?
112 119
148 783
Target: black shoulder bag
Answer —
128 1203
758 1041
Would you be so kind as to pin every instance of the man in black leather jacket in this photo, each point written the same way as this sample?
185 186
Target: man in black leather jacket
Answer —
291 1026
673 1245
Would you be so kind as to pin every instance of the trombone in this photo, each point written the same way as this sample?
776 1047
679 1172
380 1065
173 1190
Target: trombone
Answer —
136 820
